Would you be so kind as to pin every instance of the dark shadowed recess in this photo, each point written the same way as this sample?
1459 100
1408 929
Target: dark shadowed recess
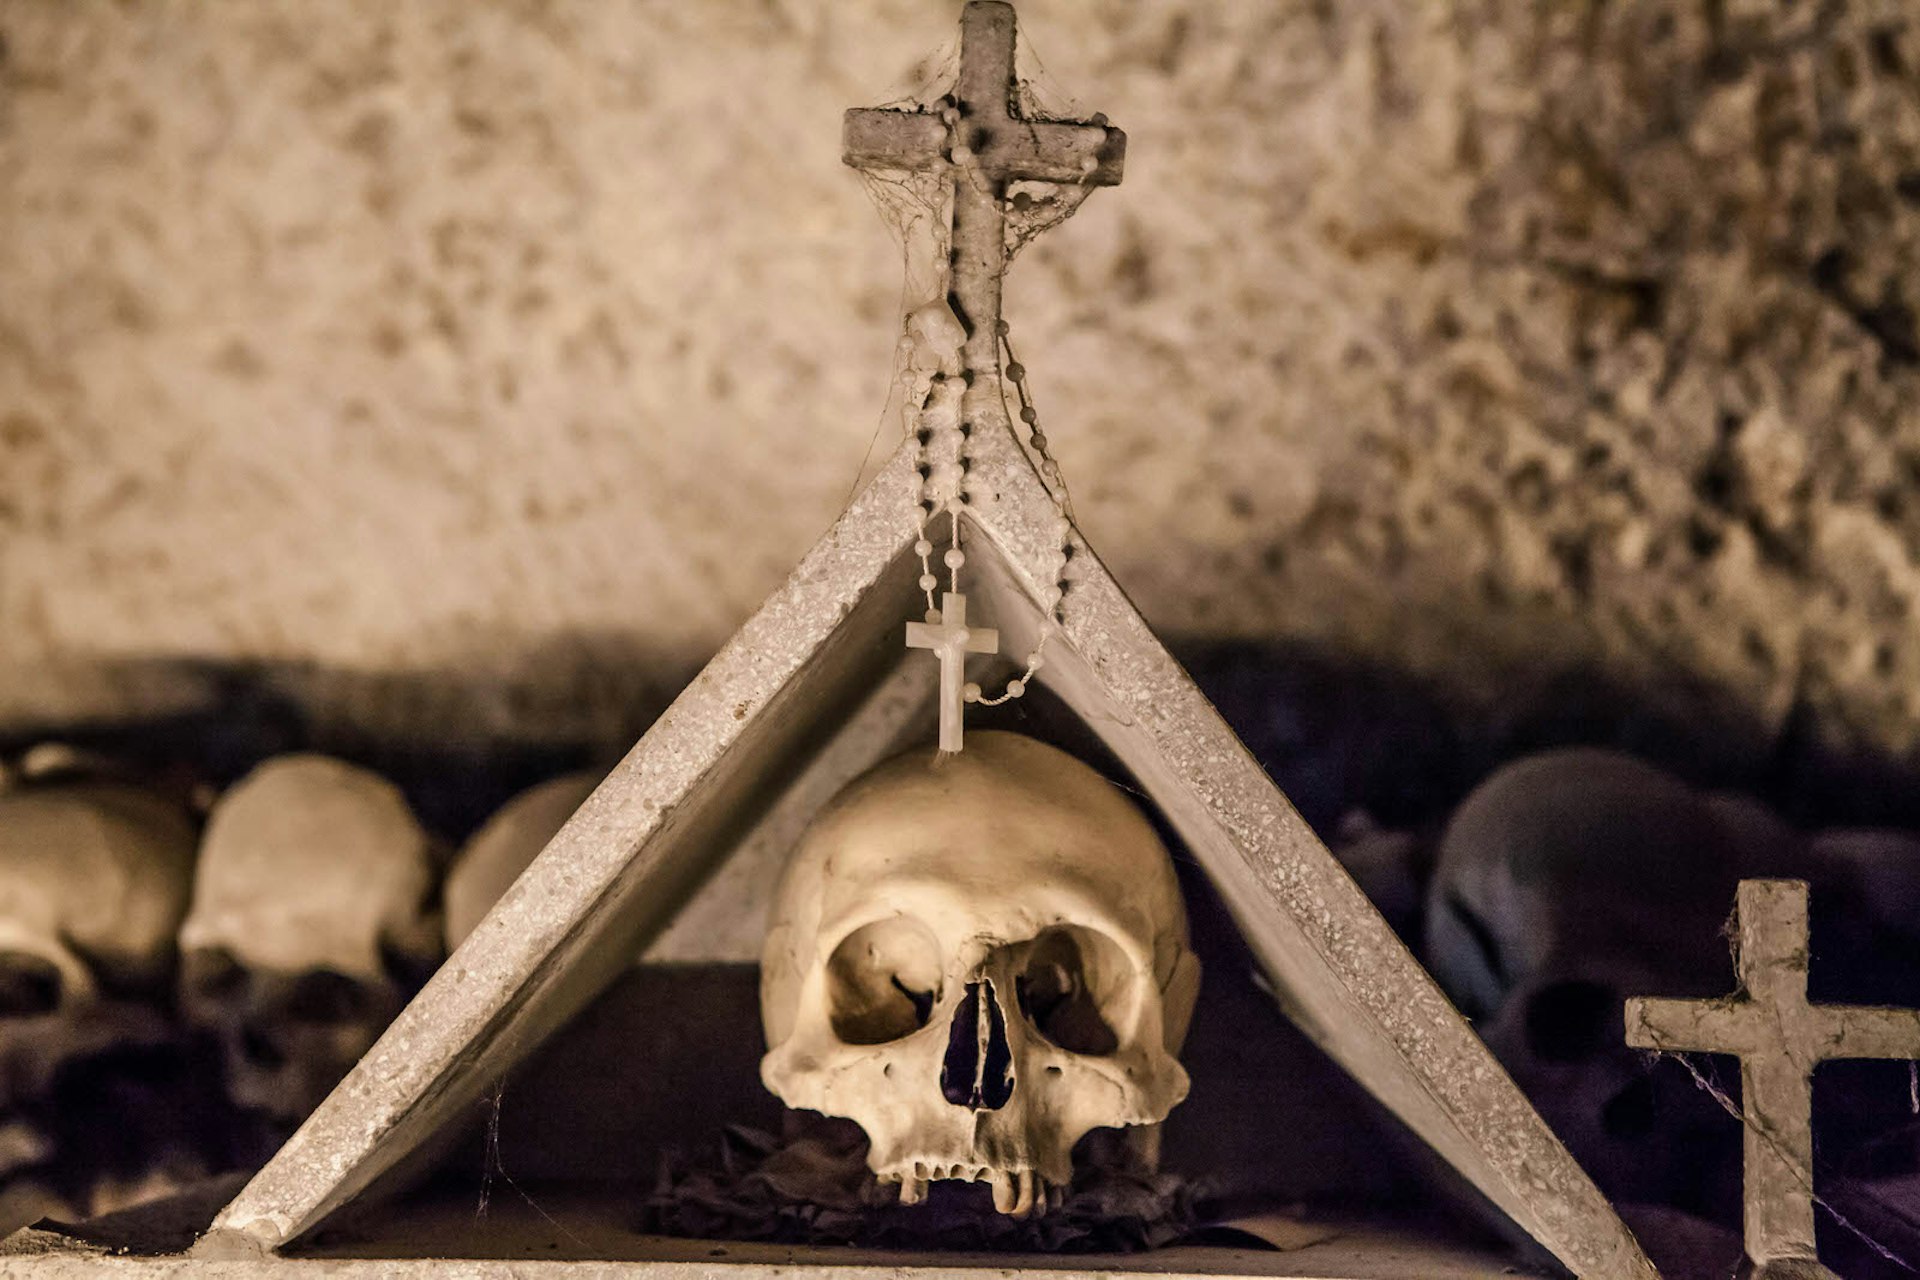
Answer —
1337 735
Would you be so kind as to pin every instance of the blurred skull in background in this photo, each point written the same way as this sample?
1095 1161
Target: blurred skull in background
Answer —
94 883
1566 882
312 923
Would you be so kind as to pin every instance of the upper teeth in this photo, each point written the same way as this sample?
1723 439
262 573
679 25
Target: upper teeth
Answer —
1016 1192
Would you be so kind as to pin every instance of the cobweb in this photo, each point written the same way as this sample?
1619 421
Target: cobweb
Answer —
1034 207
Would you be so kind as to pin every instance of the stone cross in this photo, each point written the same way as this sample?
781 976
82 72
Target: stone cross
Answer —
985 145
1779 1038
948 635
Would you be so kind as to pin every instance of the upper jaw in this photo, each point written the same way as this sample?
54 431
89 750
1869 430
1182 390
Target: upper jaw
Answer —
1016 1192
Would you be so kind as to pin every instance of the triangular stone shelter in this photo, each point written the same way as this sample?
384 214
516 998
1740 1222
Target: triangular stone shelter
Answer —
817 686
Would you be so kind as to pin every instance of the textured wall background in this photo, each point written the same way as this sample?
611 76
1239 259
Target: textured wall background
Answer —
491 361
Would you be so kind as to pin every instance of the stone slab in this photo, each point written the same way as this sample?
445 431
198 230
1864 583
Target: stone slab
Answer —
772 699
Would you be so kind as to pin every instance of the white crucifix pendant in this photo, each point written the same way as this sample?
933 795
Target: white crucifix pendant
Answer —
952 639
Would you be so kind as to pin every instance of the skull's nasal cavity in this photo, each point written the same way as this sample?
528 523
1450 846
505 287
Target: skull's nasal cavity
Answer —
978 1071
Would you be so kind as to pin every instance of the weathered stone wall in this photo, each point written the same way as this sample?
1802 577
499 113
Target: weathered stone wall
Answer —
465 360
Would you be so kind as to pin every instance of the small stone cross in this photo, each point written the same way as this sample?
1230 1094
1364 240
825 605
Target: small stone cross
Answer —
1779 1038
949 636
987 144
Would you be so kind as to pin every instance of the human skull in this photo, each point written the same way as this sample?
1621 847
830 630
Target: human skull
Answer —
94 881
1566 882
979 958
311 926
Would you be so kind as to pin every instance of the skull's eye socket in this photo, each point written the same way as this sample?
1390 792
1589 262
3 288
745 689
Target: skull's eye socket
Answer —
883 981
29 985
213 973
1073 988
325 997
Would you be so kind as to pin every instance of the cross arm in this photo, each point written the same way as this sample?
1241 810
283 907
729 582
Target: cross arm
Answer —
1090 155
877 138
925 635
1690 1026
1868 1031
1034 150
983 640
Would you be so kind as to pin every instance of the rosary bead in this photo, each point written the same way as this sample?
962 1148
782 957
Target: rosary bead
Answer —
923 548
971 692
1036 662
955 557
1003 328
928 582
961 155
1029 415
1017 371
1016 687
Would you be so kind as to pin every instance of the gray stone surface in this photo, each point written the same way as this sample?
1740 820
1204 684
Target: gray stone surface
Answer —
443 356
572 1235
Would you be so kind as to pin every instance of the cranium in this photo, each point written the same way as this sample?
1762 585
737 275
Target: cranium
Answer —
310 926
1566 882
94 880
979 958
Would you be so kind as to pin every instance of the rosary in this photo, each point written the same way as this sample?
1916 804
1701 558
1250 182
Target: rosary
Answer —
945 630
974 145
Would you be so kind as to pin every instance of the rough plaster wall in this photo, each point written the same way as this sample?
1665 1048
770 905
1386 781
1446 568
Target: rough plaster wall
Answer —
525 342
